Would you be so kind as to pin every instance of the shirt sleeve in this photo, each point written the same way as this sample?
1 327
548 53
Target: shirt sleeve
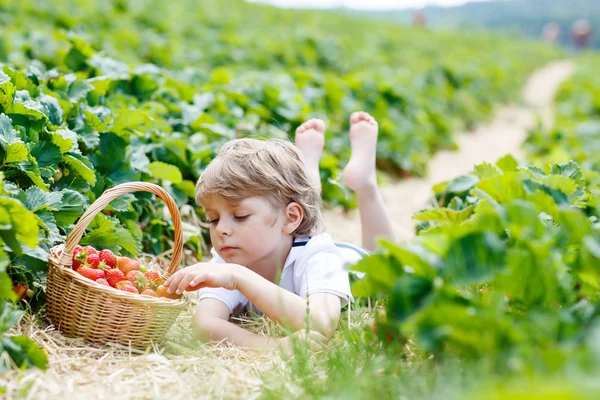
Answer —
323 272
233 299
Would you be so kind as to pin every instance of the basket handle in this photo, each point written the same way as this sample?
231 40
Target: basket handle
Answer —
109 195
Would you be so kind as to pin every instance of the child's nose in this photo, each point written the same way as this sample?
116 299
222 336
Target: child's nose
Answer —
224 228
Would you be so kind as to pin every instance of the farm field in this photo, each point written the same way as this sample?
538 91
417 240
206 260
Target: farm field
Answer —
487 164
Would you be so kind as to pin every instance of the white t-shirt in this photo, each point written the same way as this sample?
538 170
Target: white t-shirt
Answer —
314 265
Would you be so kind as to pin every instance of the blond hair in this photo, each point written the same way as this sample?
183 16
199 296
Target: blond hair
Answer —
267 168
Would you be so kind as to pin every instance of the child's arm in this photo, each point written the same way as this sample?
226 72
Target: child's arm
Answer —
211 322
282 306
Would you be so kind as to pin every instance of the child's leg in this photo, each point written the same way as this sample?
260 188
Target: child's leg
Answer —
360 176
310 139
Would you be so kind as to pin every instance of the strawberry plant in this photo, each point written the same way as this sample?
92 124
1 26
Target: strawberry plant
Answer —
108 92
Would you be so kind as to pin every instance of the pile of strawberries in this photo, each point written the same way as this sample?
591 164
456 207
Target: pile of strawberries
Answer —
121 273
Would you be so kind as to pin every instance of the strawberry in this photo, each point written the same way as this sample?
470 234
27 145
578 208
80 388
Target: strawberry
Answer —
130 288
108 257
93 259
102 281
79 258
77 250
162 292
122 284
113 276
149 292
21 290
154 278
88 272
90 250
137 279
126 265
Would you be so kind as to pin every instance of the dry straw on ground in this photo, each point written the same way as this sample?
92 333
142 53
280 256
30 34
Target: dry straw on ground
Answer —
181 368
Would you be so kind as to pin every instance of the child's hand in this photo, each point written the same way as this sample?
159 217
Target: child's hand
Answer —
203 275
313 340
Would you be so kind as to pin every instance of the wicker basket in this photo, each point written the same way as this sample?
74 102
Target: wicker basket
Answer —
80 307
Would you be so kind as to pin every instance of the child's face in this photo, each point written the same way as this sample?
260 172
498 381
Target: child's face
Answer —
246 233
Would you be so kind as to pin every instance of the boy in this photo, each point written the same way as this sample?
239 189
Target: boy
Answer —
262 199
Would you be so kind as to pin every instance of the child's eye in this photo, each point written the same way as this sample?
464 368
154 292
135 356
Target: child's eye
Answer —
242 217
213 221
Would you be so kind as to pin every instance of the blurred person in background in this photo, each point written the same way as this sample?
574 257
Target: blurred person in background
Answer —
420 19
581 34
551 32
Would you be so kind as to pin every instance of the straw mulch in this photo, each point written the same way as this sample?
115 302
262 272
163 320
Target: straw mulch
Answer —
180 368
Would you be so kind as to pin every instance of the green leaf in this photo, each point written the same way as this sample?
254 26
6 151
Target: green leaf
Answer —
462 184
83 167
7 132
486 170
128 119
474 258
161 170
16 152
46 154
72 207
104 238
408 295
24 352
30 168
9 313
78 89
21 81
562 183
444 215
24 225
508 163
47 222
38 199
127 242
52 109
503 188
65 139
570 170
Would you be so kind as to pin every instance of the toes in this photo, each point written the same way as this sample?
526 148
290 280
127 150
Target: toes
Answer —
316 124
301 129
362 116
319 125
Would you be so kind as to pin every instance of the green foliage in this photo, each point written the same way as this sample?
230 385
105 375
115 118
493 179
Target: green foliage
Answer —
516 273
19 351
97 94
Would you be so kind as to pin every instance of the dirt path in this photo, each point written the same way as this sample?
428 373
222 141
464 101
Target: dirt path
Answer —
503 135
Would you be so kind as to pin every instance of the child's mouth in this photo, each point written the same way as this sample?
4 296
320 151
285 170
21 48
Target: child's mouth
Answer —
226 249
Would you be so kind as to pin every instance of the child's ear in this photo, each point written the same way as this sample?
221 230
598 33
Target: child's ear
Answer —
294 214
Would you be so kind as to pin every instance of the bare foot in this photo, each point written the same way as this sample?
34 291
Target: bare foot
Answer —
310 139
360 174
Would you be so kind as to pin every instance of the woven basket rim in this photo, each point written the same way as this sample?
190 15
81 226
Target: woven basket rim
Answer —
54 262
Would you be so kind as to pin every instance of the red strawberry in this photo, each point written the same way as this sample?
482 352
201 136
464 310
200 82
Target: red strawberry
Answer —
102 265
21 290
130 288
90 250
93 259
77 250
154 278
137 279
102 281
79 258
126 265
100 274
121 284
149 292
113 276
88 272
108 257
